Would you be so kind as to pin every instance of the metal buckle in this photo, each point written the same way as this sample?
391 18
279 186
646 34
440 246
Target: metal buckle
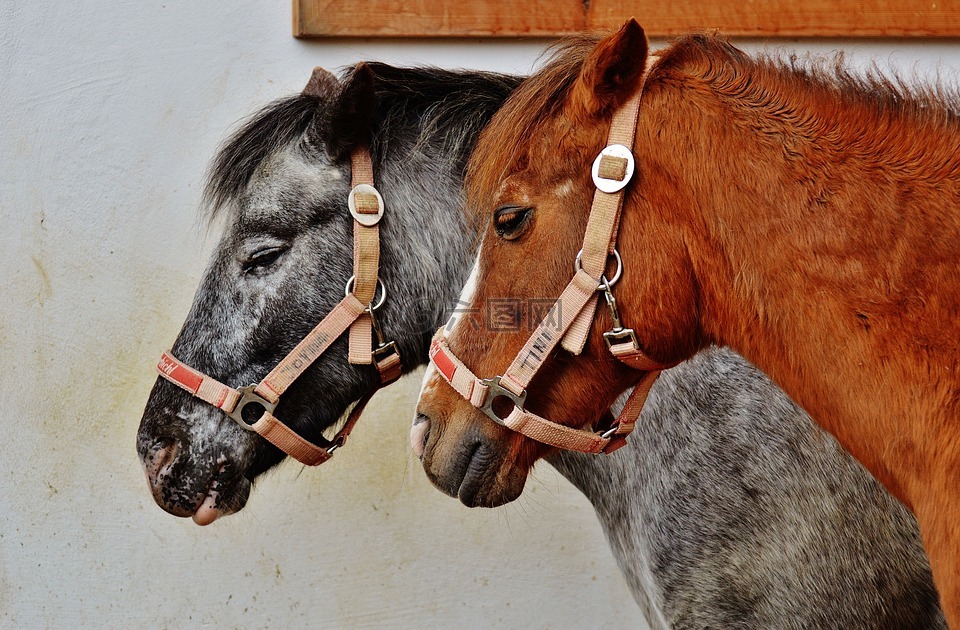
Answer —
618 334
613 185
367 220
385 349
248 396
496 390
609 433
615 337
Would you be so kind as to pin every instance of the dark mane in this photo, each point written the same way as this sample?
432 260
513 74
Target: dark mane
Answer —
451 104
274 126
731 72
447 104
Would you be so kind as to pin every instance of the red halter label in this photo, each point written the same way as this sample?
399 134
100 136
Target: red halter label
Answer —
187 379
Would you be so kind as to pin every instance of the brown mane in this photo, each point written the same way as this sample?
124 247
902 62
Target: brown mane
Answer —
766 83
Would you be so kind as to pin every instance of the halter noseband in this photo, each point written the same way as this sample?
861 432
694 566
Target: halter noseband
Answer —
568 322
355 311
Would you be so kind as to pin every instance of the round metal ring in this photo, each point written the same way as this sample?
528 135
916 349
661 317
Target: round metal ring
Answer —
347 290
370 219
613 185
612 281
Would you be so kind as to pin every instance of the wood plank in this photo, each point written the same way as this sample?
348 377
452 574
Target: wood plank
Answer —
551 18
437 18
784 18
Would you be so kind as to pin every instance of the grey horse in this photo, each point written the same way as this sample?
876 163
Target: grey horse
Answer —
728 509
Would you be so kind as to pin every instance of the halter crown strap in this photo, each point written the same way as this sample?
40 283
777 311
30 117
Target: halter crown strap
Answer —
612 171
366 252
571 317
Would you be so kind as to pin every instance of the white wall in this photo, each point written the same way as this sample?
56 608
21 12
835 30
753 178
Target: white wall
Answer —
108 115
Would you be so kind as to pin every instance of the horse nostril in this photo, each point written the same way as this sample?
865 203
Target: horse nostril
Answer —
158 457
419 433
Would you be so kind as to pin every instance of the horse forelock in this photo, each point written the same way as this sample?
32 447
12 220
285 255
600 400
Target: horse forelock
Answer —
261 135
503 143
453 105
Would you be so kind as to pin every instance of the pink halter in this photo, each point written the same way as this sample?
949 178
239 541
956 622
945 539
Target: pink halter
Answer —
571 316
355 311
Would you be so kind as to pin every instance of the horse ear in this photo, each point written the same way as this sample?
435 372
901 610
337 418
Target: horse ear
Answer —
352 113
612 71
322 83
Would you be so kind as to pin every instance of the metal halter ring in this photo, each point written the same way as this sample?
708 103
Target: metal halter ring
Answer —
607 283
249 396
347 290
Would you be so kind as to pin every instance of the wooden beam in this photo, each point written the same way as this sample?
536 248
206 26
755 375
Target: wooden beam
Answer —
437 18
552 18
784 18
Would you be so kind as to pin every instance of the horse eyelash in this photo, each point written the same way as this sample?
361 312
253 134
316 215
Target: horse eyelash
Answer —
263 258
525 219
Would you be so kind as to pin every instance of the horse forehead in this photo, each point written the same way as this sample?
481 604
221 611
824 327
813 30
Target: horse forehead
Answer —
291 175
515 188
526 187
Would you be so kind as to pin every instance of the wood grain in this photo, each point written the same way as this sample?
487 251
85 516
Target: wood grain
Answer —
437 18
551 18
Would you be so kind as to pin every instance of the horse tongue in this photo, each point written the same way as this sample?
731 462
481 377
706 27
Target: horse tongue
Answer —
208 512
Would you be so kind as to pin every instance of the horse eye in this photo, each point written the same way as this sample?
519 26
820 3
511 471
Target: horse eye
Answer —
509 221
263 258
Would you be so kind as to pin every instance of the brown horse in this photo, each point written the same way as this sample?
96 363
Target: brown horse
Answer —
803 216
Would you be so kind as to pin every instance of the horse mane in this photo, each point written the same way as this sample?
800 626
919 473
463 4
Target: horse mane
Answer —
276 125
455 105
539 97
769 82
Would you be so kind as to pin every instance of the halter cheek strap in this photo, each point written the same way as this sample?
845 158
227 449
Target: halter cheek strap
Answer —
570 319
356 311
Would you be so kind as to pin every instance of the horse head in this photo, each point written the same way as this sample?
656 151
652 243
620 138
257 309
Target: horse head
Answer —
530 183
281 185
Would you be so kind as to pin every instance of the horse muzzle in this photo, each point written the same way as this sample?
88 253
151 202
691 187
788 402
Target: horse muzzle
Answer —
189 481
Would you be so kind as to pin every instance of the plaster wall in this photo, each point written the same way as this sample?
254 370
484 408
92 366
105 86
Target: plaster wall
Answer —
109 112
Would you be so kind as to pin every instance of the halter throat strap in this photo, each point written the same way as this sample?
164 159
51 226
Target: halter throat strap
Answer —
571 317
356 312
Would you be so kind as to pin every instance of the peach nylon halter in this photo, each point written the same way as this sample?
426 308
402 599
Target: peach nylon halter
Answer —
355 311
568 322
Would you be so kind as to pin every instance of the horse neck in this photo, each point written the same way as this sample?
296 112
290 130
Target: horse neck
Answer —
823 239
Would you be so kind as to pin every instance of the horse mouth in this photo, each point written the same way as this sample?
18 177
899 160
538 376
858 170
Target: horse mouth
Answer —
476 472
178 485
485 483
227 494
472 483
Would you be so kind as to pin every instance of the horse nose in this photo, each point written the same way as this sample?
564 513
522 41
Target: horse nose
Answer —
419 433
157 459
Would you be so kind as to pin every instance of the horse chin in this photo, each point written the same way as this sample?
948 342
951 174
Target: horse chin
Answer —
478 471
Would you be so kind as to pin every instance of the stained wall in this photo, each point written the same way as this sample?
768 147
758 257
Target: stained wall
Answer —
109 111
